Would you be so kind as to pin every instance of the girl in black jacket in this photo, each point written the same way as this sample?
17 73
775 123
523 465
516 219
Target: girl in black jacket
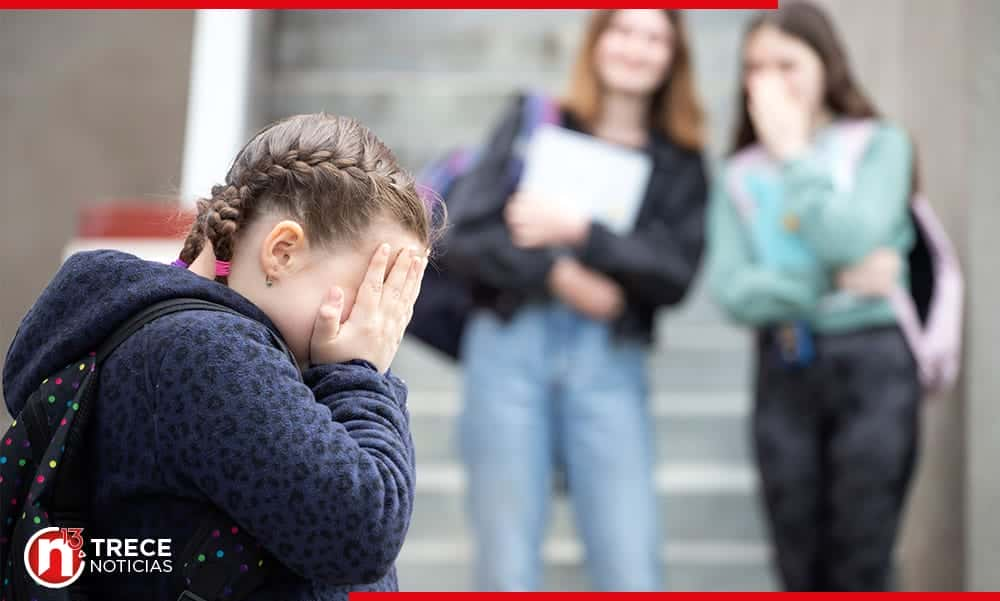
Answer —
554 361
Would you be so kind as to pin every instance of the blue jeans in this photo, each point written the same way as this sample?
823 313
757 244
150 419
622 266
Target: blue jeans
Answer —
552 386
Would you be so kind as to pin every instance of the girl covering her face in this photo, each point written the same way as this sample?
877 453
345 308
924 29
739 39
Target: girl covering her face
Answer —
805 246
318 237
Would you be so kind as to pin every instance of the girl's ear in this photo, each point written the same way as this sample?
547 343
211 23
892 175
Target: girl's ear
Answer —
283 250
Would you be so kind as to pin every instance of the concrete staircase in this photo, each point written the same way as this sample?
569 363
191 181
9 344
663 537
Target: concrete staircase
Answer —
707 488
426 81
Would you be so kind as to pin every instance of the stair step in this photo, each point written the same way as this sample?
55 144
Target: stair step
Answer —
680 478
445 403
671 368
688 427
697 502
677 438
720 566
479 40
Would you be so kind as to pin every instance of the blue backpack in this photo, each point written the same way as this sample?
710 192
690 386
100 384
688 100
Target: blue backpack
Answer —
444 304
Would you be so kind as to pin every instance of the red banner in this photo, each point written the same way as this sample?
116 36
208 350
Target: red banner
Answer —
670 596
390 4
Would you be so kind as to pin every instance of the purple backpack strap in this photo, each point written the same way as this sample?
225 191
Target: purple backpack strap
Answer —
735 182
936 343
536 109
539 108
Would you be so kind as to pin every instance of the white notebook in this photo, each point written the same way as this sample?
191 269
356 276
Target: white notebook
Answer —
587 176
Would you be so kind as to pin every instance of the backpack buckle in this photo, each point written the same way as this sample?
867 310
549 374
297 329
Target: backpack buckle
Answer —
189 596
788 343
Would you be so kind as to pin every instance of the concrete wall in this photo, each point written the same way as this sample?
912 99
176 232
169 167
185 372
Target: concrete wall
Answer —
92 107
981 112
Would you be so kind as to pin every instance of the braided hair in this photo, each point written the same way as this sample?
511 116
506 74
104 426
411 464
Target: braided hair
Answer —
329 173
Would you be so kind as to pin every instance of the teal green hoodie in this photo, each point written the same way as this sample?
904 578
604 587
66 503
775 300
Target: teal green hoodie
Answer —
838 227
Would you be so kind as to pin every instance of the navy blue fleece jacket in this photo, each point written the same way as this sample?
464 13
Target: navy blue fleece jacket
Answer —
200 409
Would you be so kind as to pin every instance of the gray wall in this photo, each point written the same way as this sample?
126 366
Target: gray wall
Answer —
93 108
981 112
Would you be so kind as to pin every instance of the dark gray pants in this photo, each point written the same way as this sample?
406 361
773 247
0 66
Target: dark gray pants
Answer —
835 443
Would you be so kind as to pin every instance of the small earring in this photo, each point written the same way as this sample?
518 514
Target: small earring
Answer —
267 281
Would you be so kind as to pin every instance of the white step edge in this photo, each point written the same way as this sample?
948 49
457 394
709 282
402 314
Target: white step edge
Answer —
699 335
446 403
570 552
672 478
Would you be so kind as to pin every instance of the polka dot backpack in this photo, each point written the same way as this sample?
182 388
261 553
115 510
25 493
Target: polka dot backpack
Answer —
44 483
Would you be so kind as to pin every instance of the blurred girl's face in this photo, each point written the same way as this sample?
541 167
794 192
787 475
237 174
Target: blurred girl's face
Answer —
633 53
771 52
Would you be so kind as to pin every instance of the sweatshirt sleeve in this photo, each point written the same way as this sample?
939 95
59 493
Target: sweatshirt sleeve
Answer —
319 470
478 246
748 292
844 227
656 263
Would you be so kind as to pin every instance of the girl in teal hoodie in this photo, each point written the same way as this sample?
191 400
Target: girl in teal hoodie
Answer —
808 234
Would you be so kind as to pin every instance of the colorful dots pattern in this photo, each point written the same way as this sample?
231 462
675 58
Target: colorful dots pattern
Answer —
218 548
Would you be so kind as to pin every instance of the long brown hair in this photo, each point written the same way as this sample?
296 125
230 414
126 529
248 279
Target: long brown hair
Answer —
675 111
329 173
809 24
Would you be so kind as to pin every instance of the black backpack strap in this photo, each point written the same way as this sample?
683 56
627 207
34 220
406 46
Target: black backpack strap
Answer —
70 498
69 494
174 305
70 488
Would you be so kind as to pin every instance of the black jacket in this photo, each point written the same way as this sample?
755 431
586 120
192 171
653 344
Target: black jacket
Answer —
655 264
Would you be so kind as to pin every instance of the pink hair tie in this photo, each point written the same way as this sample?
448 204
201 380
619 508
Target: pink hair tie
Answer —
179 263
221 267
